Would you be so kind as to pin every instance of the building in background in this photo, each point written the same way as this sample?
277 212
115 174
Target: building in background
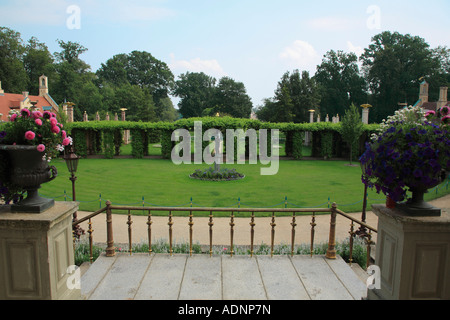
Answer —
17 101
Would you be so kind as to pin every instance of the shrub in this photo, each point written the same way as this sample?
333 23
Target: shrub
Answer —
222 174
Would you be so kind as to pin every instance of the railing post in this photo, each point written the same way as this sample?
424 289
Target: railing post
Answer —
331 252
110 250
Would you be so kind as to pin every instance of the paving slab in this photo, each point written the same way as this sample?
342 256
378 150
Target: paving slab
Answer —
163 278
242 279
357 289
123 278
281 279
97 271
202 278
319 279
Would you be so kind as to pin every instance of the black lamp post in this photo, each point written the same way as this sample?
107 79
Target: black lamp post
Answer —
72 165
362 230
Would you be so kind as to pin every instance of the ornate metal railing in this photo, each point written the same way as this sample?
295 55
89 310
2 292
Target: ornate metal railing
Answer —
364 231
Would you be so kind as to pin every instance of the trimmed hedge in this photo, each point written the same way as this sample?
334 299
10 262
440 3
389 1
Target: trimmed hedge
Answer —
106 136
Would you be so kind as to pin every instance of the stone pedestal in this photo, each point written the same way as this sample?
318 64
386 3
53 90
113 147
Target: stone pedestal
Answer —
36 254
413 254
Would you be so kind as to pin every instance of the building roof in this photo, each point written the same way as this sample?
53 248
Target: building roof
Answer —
432 105
11 101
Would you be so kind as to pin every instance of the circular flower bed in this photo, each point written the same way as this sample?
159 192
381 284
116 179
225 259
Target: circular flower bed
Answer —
222 174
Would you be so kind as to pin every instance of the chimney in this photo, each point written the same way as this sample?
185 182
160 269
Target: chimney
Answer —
25 94
443 94
442 97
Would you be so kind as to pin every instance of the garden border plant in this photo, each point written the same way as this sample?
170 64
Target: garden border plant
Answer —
161 246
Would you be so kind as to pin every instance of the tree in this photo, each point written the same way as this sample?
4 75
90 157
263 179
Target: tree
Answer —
196 91
294 96
340 81
351 128
12 70
139 103
73 73
393 65
231 99
37 60
139 68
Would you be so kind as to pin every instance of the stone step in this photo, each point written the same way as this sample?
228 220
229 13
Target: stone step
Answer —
220 277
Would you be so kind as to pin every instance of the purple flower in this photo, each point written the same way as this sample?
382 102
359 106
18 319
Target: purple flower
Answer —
422 131
417 173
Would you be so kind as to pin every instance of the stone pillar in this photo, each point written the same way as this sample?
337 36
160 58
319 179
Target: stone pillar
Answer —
308 135
97 116
413 254
365 113
85 117
36 254
107 116
311 116
365 116
123 114
126 133
69 113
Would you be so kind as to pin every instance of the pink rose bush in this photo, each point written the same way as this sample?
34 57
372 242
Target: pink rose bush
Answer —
40 129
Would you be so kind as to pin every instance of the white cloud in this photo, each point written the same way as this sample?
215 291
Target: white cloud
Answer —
302 54
355 49
209 67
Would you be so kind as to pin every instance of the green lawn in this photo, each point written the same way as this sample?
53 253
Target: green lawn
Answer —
161 183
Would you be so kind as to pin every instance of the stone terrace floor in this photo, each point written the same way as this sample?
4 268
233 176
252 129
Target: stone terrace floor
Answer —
220 277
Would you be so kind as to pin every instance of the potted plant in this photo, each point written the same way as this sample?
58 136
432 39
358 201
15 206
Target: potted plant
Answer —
28 142
410 152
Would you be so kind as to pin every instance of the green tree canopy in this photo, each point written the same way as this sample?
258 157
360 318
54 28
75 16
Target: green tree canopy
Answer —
294 96
196 91
394 65
340 81
12 71
231 98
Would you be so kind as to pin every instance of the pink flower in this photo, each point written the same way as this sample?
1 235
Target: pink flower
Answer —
13 117
37 114
429 113
445 110
446 119
66 142
64 134
30 135
56 129
38 122
41 148
53 121
25 112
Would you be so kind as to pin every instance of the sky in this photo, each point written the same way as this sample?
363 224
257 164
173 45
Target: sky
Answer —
251 41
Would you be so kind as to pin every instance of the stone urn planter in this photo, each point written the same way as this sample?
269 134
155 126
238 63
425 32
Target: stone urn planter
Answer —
417 206
28 171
